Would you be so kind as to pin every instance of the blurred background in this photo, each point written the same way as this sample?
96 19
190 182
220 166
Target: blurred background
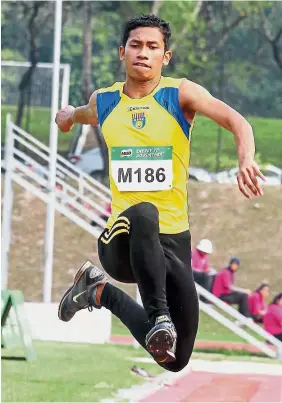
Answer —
234 49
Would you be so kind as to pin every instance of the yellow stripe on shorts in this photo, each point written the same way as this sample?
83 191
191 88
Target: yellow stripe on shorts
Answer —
114 226
114 230
120 231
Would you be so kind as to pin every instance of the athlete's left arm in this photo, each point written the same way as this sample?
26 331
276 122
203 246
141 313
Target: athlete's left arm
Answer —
194 98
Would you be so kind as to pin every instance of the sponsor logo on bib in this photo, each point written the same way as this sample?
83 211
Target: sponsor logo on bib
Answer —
126 153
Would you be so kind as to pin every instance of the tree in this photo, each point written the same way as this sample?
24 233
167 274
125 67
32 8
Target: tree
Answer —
249 39
270 27
87 85
36 14
25 83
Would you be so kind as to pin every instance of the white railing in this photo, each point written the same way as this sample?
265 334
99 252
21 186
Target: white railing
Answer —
59 206
76 187
243 320
78 196
62 165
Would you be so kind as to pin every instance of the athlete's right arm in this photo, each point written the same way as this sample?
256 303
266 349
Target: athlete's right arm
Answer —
86 114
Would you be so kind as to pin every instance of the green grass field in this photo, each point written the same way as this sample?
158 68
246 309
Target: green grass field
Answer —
268 134
77 372
68 372
81 372
268 137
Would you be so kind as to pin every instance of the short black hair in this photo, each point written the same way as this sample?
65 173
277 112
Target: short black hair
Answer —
147 20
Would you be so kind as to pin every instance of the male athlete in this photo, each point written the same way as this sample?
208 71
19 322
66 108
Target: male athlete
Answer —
147 122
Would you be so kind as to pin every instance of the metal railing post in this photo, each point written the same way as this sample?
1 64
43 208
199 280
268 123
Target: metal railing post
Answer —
7 203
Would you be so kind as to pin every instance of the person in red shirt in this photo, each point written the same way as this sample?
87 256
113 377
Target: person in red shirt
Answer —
223 288
201 264
257 304
272 320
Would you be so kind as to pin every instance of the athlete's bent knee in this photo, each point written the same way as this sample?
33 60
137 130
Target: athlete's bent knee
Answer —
146 210
145 217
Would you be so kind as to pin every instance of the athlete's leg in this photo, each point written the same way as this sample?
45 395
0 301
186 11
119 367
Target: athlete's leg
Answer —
114 254
181 296
131 252
92 289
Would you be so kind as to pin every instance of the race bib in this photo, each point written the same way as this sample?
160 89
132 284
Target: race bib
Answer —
142 168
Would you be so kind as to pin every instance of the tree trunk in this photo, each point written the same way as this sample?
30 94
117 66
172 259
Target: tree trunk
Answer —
26 79
156 6
87 52
276 49
196 12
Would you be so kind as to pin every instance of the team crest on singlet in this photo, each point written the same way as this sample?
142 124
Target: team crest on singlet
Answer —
138 120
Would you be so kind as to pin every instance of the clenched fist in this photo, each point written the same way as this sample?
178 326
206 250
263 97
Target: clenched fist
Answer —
64 118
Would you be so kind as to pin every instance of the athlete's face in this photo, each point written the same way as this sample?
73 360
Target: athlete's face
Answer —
144 54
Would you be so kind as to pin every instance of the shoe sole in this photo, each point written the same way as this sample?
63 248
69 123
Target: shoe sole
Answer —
159 345
77 277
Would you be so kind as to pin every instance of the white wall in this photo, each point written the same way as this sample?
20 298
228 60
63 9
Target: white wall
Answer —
85 327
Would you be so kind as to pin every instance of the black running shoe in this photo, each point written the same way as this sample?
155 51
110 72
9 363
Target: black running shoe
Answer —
77 297
161 340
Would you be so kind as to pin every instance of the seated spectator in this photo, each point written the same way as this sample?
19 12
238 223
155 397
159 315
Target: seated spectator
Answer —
257 302
223 288
200 263
272 320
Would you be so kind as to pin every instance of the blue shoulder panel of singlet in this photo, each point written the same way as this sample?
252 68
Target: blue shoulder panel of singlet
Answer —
106 102
168 98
